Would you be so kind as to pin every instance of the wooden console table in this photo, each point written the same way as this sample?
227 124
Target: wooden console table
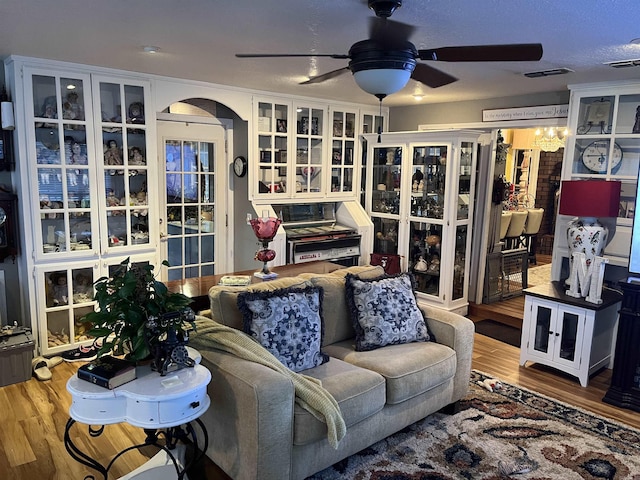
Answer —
198 288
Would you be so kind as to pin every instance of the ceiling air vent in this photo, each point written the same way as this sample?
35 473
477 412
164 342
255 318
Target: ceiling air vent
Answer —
624 63
547 73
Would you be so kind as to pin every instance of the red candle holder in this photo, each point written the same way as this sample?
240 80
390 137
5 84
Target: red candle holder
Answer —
265 228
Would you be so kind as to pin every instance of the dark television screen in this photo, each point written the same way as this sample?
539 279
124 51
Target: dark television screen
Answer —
634 257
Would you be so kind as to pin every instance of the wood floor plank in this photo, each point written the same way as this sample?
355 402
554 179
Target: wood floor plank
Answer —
19 451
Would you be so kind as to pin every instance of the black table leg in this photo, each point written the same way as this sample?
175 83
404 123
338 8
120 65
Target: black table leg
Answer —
184 433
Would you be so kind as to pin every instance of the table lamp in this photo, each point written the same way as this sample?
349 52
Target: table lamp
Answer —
587 200
265 228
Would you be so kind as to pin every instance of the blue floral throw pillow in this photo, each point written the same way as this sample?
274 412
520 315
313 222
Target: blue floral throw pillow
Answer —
384 311
287 322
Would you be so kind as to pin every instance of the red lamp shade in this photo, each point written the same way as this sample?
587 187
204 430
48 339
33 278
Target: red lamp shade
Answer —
590 198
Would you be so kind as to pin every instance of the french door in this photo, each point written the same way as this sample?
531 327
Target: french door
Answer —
194 222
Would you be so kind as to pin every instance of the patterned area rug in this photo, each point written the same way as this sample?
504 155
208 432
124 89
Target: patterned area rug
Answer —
495 436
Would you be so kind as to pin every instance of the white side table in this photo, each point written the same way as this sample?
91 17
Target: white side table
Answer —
163 406
567 333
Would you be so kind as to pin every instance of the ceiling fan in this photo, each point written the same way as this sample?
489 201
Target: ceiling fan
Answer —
384 63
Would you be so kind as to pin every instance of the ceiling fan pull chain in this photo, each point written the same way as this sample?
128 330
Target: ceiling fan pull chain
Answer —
380 96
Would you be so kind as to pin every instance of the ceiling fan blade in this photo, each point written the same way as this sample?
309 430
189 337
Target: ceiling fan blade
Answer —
325 76
431 77
388 33
515 52
274 55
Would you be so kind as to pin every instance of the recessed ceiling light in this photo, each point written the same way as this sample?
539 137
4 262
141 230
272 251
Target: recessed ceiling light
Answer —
150 49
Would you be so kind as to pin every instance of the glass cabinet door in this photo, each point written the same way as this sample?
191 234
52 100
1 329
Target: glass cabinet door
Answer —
369 124
460 263
68 296
429 180
542 328
309 149
568 334
464 180
386 235
124 163
387 169
343 134
425 251
273 127
463 195
62 151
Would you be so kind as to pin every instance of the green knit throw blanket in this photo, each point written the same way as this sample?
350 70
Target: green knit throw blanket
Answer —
309 392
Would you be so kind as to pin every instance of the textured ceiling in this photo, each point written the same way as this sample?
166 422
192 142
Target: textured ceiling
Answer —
198 40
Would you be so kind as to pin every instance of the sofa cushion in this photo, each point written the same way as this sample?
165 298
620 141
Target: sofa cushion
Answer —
384 311
360 393
288 323
337 325
409 369
224 300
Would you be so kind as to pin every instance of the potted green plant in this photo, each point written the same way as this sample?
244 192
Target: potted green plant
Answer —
136 314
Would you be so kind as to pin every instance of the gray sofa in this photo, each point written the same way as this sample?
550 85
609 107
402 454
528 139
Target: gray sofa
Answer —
256 431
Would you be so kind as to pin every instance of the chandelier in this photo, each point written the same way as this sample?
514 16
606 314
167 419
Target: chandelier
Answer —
549 139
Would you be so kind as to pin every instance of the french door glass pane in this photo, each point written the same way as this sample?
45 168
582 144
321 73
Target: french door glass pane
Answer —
190 198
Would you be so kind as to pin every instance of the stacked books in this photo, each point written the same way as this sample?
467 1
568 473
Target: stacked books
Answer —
235 280
108 372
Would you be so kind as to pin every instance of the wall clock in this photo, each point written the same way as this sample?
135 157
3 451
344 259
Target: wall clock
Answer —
596 156
240 166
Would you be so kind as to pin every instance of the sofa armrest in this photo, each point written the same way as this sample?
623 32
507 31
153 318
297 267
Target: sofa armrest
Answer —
457 332
250 420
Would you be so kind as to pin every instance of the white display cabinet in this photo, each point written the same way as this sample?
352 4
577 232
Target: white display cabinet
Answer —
420 190
307 151
603 143
90 193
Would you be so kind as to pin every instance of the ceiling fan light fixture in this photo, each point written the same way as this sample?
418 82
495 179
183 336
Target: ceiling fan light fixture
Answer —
381 72
382 81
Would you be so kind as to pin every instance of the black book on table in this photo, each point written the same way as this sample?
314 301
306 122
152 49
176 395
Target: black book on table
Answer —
108 371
